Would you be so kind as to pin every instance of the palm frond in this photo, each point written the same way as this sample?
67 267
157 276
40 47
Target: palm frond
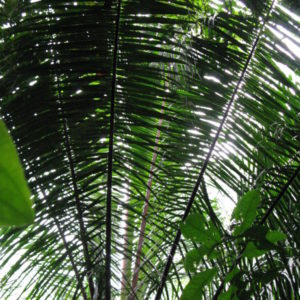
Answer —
82 89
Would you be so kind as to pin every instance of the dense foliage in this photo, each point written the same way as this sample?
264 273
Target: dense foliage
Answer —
131 115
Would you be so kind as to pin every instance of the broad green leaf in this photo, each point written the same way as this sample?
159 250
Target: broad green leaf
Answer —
275 236
230 294
212 235
15 204
232 274
194 228
256 232
194 288
194 256
213 254
252 251
245 211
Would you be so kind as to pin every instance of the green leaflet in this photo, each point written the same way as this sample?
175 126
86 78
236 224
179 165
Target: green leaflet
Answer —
263 238
194 288
230 294
245 211
252 251
194 257
275 236
194 229
256 232
15 204
232 274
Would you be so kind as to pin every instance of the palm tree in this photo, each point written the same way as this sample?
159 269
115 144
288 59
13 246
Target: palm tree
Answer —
130 114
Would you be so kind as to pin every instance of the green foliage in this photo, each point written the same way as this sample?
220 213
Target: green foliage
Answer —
179 64
275 236
198 230
194 288
256 240
195 229
15 203
232 274
193 257
251 251
245 211
230 294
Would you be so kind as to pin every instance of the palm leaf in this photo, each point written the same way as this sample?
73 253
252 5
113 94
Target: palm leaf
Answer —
83 85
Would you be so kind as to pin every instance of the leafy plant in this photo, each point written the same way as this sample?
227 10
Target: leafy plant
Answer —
248 240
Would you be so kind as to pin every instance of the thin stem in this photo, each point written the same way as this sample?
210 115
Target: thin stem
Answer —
205 164
126 261
146 207
110 161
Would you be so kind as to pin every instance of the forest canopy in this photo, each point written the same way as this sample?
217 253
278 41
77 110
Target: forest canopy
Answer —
160 142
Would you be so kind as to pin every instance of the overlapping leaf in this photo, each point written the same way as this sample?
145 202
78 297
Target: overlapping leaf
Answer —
178 62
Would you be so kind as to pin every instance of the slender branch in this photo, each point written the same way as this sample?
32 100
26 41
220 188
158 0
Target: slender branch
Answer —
77 200
125 263
205 164
146 207
264 218
110 160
